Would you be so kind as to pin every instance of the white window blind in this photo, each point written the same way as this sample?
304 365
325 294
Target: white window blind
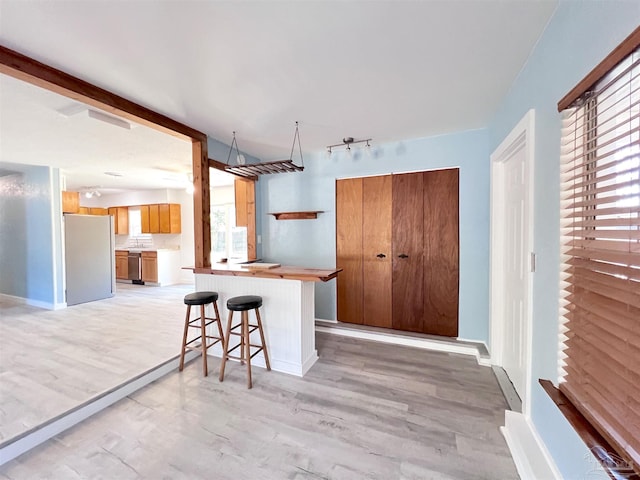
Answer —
600 284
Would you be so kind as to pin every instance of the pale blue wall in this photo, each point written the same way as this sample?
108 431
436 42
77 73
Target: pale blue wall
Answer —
578 37
312 242
26 234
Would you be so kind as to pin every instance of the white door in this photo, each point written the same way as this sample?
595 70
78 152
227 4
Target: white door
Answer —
511 251
515 265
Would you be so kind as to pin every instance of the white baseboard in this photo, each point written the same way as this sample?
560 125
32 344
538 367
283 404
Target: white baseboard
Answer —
529 453
326 321
34 303
425 343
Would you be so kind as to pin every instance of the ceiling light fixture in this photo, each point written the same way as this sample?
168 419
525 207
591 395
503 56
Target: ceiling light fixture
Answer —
92 193
347 142
103 117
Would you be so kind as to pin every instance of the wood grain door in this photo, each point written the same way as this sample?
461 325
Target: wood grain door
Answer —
349 249
165 218
408 238
441 252
154 218
376 251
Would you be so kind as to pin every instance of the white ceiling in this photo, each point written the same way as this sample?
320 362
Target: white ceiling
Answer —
390 70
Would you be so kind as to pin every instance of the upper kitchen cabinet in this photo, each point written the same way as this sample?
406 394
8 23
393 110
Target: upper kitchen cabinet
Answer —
70 202
161 218
245 203
98 211
144 219
120 219
170 219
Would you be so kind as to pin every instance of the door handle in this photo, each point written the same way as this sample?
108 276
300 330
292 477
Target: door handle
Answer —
381 255
402 255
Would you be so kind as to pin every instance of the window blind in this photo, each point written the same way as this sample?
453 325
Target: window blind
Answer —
600 279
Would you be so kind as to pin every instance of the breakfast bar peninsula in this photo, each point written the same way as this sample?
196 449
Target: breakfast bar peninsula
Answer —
287 312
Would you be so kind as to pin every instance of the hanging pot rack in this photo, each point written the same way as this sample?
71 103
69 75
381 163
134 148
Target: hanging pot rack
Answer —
251 170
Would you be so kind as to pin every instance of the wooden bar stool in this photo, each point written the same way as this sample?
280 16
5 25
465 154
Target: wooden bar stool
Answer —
243 304
202 322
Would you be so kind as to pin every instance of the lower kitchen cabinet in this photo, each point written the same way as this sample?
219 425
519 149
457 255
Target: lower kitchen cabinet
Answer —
122 266
150 267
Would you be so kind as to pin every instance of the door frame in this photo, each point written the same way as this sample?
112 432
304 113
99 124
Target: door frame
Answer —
521 137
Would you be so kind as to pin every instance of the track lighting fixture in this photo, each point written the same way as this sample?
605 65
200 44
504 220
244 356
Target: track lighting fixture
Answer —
92 193
347 142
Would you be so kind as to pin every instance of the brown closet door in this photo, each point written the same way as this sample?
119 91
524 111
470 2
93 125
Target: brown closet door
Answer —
408 237
441 252
349 249
376 251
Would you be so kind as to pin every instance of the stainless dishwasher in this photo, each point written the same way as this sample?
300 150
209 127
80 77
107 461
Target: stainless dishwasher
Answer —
134 269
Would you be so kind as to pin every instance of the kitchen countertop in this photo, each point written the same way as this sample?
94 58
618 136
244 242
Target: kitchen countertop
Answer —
283 272
136 250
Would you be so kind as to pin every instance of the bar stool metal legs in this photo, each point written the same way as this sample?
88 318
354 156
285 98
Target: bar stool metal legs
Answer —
201 299
243 304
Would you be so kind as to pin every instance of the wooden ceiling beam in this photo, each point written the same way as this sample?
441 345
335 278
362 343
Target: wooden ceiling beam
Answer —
27 69
17 65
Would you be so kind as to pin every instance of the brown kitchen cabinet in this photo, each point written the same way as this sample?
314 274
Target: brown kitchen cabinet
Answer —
70 202
154 219
93 211
122 266
144 219
149 267
397 241
170 218
120 219
161 218
245 204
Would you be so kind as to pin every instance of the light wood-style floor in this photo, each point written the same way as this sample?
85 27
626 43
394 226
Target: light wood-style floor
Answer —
51 361
365 410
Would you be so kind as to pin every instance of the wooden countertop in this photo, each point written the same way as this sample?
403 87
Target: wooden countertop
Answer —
284 272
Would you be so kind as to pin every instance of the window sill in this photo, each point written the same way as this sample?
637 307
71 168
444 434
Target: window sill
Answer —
616 467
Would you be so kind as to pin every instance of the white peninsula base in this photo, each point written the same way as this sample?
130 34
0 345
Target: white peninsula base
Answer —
287 313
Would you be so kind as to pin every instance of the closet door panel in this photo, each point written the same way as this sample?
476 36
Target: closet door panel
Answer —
349 249
376 251
442 251
407 238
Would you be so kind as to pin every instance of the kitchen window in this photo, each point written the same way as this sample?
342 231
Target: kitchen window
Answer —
600 253
227 240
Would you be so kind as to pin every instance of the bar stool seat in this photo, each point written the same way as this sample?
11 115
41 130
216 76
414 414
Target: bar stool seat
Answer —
201 299
243 304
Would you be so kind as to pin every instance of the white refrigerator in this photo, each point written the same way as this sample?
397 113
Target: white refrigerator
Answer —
89 258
